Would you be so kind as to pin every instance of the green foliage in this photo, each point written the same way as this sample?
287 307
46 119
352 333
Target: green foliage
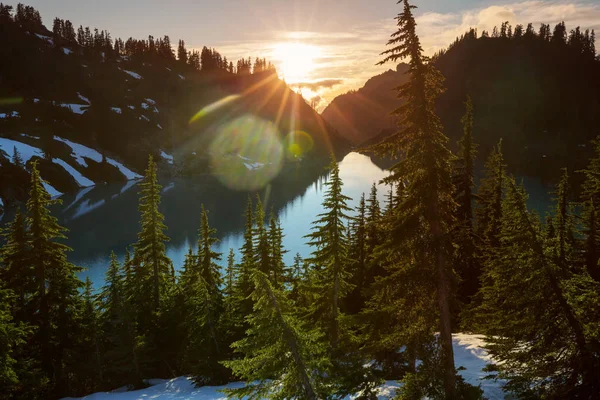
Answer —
151 265
283 358
330 273
535 329
419 242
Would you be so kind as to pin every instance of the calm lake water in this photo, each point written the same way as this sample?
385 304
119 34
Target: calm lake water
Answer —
105 218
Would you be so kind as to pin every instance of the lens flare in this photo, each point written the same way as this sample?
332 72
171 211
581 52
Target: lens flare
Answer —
246 153
297 144
7 101
212 107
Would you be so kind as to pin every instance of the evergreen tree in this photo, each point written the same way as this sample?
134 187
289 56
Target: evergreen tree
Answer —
489 200
153 267
276 252
16 270
330 257
244 283
55 299
422 222
17 160
525 301
282 357
12 335
591 200
464 182
261 244
118 327
358 255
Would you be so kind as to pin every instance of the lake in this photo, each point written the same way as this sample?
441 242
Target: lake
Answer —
105 218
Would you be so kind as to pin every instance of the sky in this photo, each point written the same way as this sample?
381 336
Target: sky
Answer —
343 38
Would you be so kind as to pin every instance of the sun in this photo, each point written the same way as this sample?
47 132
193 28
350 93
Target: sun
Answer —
295 61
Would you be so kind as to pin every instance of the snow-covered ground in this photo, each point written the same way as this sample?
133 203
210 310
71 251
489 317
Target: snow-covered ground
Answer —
134 75
468 353
26 151
167 157
76 108
81 152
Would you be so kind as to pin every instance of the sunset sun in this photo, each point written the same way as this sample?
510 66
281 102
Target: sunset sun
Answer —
296 60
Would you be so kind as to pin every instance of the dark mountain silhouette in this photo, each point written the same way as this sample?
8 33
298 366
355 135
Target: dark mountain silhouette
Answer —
536 91
364 113
129 99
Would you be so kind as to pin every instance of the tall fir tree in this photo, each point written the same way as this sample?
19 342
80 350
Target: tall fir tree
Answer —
590 213
421 225
153 267
526 299
358 257
466 260
330 256
488 211
55 299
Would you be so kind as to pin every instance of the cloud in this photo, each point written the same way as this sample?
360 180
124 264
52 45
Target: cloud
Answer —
437 31
320 84
353 54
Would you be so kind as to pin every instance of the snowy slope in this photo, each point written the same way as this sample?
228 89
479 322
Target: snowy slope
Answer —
468 352
81 152
26 151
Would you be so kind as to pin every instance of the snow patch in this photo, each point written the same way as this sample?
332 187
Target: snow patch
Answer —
143 117
167 157
76 108
67 51
159 126
132 74
169 187
26 151
78 197
46 38
86 207
81 180
116 110
181 77
29 136
9 114
150 101
50 189
82 97
468 352
80 152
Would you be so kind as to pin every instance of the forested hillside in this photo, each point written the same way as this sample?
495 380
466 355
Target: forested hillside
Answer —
119 100
536 89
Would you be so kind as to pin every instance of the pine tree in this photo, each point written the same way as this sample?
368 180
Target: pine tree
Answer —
591 199
526 300
282 357
262 253
244 283
17 160
207 257
422 222
153 267
488 212
12 335
16 270
358 255
466 262
374 238
276 252
57 286
89 364
330 257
